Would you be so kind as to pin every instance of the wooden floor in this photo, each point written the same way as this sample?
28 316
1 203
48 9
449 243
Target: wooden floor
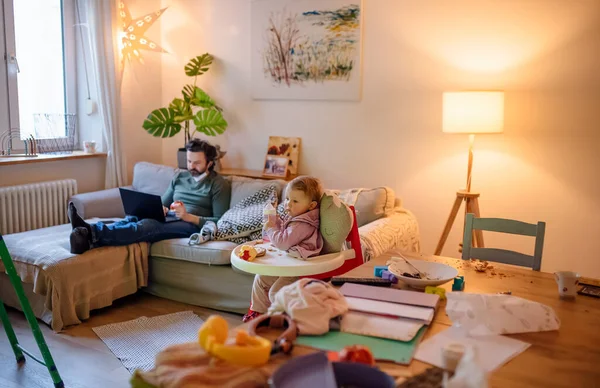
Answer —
81 357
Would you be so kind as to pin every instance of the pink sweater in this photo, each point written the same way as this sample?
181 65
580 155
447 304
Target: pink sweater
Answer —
299 234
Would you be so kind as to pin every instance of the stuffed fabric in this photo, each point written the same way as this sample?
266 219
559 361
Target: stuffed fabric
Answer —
187 365
246 217
311 304
336 222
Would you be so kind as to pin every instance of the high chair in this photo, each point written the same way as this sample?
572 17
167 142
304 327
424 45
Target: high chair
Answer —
317 267
47 361
354 256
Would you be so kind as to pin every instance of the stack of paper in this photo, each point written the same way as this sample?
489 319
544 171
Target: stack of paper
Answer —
386 313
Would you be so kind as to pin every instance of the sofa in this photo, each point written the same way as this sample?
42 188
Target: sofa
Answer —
202 274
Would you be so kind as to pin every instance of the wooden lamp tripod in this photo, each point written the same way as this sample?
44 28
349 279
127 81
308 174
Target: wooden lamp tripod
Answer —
470 112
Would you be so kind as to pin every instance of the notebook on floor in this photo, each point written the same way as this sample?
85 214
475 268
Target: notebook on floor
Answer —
399 329
382 349
393 295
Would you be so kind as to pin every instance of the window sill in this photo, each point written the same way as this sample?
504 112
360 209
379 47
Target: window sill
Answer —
41 158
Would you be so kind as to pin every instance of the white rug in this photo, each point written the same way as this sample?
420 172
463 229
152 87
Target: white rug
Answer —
137 342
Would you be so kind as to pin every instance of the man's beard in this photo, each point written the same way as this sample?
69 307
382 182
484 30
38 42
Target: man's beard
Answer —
196 173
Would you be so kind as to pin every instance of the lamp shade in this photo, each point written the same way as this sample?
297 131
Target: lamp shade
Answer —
473 112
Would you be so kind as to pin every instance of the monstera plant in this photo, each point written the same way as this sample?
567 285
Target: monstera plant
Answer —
194 106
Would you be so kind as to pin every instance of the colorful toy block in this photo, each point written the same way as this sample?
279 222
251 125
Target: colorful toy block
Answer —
379 269
387 275
436 290
458 284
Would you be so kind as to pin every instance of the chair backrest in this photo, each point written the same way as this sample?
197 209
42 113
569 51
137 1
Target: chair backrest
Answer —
353 240
502 255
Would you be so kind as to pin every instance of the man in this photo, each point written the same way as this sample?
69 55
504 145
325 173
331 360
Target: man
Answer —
198 195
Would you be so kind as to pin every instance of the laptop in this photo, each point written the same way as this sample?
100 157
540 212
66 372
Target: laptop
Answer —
144 205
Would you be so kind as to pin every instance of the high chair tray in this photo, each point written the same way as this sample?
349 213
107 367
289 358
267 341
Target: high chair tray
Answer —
280 263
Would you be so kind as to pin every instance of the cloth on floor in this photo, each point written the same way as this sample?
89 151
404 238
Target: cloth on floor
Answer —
311 304
188 365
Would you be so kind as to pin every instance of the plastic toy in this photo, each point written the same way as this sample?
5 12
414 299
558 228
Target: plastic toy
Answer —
247 252
357 353
436 290
248 350
387 275
458 284
379 269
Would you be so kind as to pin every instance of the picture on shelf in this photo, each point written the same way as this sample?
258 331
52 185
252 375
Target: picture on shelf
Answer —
288 147
276 166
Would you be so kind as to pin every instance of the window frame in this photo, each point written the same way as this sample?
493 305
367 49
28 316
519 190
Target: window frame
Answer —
8 44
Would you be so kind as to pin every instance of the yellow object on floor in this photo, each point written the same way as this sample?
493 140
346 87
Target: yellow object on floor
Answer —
247 351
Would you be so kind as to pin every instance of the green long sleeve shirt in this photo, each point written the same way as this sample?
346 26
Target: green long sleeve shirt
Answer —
209 199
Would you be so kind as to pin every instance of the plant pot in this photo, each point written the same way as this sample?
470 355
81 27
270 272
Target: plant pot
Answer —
182 158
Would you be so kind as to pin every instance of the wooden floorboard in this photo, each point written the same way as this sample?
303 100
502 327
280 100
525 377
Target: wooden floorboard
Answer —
81 357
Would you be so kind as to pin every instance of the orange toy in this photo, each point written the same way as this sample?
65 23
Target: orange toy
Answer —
247 252
175 204
357 353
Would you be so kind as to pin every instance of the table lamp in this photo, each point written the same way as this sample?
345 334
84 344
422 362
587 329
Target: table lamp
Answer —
470 112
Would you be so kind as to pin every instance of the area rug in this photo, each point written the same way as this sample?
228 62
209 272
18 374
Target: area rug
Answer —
136 342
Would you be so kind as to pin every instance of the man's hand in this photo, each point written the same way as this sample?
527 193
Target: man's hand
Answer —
180 210
165 210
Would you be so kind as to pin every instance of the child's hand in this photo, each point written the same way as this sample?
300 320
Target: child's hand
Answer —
271 223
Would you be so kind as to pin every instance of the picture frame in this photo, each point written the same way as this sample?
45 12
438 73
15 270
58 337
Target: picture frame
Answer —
276 166
306 49
288 147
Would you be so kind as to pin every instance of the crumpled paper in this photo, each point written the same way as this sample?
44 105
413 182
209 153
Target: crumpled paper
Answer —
482 314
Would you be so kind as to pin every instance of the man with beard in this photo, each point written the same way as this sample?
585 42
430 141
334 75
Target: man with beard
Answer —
197 195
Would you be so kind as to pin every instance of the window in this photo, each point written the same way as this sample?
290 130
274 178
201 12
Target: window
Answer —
37 76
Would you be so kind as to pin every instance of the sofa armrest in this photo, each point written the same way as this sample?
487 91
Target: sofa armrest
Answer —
101 204
399 230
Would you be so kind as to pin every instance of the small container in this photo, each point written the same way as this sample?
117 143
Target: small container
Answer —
451 355
269 213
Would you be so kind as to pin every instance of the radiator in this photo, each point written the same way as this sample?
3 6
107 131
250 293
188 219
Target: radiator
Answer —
35 205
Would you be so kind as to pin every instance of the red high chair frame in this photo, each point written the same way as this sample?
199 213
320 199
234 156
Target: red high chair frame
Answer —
354 240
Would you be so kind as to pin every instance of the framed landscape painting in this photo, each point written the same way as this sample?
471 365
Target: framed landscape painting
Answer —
306 49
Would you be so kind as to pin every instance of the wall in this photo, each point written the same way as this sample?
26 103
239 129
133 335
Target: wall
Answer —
89 173
542 53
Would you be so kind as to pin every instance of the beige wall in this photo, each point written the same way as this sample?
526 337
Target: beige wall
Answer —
543 53
89 173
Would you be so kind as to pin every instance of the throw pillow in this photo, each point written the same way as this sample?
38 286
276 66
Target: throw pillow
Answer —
246 216
369 204
335 222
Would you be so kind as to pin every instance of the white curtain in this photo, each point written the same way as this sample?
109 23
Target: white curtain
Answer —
103 24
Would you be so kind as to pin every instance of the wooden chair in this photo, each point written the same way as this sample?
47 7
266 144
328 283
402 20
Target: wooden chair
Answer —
502 255
47 361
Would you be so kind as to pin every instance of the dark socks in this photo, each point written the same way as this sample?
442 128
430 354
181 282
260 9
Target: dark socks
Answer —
80 240
77 221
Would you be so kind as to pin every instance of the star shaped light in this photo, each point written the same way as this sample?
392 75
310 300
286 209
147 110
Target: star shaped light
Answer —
133 39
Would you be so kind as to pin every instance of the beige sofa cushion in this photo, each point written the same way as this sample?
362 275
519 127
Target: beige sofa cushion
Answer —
211 253
369 204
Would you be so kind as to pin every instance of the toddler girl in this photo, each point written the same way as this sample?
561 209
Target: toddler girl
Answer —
298 234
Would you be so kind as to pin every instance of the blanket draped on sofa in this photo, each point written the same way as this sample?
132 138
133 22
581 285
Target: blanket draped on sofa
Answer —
75 284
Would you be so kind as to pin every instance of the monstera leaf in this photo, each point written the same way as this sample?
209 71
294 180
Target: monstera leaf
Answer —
198 65
202 99
188 92
161 123
182 109
210 122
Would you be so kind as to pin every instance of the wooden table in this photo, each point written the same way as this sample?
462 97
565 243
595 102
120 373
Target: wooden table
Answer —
569 357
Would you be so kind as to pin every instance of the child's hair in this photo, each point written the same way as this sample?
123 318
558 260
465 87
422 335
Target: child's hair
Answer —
310 186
